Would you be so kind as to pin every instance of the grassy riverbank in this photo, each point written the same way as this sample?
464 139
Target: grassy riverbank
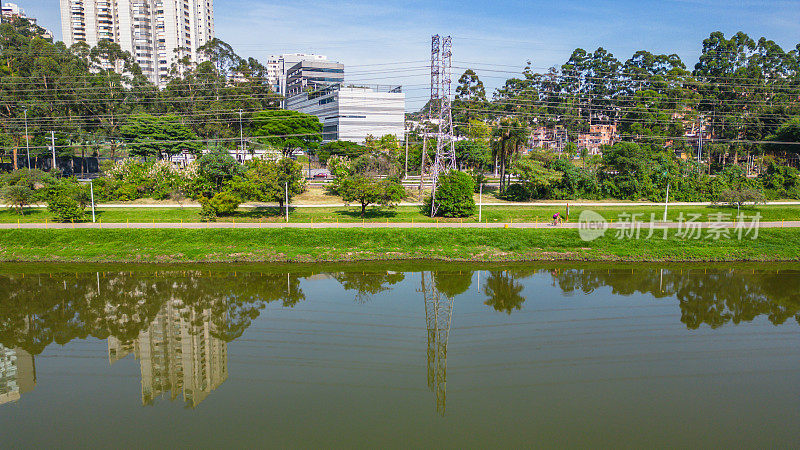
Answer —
401 214
304 245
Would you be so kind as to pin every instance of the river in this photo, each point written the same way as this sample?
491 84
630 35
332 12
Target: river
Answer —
400 355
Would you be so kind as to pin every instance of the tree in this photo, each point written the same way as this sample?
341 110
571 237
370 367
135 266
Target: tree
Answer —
267 181
510 136
162 136
787 138
534 176
288 130
473 153
454 195
17 196
345 149
367 190
386 144
215 170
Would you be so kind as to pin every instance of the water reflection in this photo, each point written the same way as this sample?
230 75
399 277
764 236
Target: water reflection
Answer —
179 352
177 324
17 374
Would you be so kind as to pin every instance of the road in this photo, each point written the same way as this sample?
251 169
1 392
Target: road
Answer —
369 225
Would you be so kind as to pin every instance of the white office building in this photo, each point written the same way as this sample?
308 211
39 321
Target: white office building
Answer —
351 113
156 32
278 67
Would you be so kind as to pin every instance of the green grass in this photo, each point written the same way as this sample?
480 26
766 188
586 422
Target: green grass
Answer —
400 214
307 245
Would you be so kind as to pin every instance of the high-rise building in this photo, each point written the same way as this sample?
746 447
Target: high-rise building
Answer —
278 66
156 32
178 354
354 112
17 374
10 12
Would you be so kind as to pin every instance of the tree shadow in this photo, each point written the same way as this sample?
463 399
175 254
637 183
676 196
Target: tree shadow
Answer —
262 212
371 213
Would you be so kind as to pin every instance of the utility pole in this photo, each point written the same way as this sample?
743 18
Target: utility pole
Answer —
480 205
699 144
241 133
91 189
53 142
666 204
406 170
287 202
27 140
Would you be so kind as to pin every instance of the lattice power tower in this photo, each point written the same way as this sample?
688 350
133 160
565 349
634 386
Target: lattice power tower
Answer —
438 318
440 109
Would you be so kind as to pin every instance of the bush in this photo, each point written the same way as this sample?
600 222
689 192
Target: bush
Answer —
222 204
516 193
65 208
453 196
18 197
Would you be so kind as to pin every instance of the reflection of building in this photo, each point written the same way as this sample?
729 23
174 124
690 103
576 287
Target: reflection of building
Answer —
17 374
177 353
438 317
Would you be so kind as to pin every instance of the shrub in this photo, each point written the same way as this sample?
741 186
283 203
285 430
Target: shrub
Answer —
516 193
18 197
453 196
65 208
221 204
741 197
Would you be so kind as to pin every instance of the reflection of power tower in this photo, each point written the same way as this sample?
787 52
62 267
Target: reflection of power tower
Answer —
441 76
438 317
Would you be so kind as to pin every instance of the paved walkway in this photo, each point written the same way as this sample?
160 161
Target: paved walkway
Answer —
342 205
370 225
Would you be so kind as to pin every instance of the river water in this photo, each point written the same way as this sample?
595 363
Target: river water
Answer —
400 355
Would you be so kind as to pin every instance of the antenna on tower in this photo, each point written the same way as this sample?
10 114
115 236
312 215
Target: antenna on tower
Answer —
441 77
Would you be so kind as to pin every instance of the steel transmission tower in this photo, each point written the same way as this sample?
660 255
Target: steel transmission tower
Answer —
440 108
438 317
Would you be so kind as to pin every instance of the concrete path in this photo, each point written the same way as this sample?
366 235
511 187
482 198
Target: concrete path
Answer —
342 205
371 225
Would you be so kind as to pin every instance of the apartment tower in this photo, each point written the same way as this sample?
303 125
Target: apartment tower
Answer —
156 32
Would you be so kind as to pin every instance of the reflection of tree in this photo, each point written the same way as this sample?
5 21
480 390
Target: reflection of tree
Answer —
40 310
452 284
438 318
503 292
367 284
711 297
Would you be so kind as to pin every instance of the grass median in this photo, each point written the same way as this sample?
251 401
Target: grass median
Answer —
406 214
305 245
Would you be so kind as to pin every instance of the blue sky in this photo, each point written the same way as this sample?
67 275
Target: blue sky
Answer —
499 34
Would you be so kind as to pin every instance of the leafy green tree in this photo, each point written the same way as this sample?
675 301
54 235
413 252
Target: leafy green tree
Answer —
345 149
535 177
267 181
215 170
453 196
787 137
162 136
17 196
288 130
473 153
366 191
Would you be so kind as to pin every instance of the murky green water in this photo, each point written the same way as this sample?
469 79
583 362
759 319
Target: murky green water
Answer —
410 355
